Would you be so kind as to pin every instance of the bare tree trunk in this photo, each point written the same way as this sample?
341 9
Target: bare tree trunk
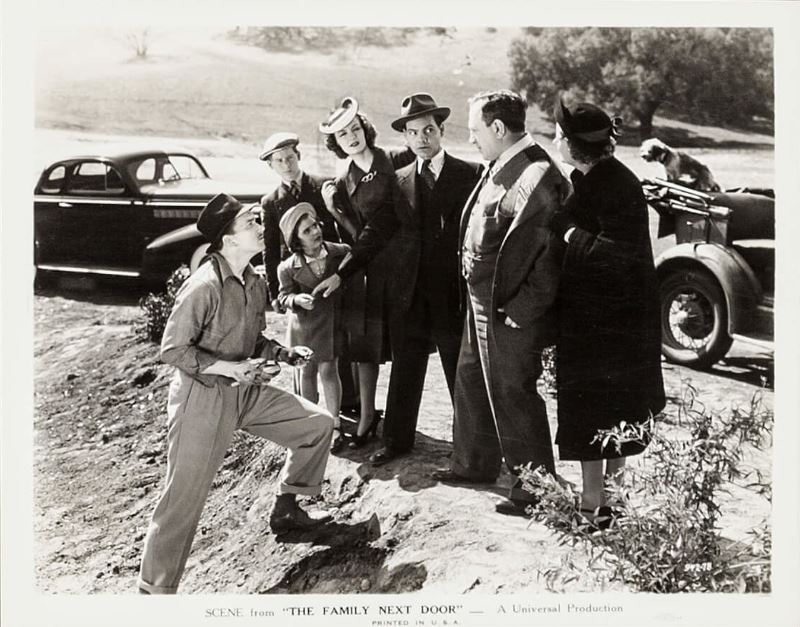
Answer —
645 127
644 114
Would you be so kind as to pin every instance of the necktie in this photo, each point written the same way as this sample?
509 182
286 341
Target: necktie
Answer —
427 174
294 189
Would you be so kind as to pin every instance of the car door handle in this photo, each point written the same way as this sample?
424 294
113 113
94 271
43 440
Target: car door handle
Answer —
65 204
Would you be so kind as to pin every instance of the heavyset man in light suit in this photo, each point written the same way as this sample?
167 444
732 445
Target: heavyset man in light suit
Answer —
511 262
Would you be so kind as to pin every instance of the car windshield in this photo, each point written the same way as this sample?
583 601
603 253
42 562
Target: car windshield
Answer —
160 169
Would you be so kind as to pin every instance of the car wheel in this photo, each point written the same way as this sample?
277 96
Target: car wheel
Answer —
197 257
694 319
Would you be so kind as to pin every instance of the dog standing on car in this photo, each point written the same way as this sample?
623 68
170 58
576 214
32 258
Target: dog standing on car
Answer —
679 166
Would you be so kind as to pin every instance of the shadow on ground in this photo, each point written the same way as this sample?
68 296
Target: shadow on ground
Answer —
756 370
94 290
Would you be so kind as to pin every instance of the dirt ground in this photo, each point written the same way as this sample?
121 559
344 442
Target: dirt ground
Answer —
100 461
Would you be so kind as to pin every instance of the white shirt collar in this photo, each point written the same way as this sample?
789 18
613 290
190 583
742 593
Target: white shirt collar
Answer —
512 151
322 254
437 163
298 180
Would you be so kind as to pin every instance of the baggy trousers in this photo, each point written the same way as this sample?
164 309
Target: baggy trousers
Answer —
202 421
499 414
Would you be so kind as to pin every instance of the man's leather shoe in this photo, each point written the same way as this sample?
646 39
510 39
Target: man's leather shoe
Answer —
295 519
446 475
383 456
513 507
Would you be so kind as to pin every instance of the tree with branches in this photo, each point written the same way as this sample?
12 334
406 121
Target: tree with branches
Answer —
710 75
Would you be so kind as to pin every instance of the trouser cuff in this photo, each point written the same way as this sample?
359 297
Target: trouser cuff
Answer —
285 488
472 474
156 589
517 493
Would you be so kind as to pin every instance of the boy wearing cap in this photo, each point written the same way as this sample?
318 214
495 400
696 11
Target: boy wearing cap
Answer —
214 339
429 310
282 154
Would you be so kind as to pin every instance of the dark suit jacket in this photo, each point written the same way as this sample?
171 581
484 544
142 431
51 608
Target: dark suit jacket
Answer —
442 271
273 206
528 264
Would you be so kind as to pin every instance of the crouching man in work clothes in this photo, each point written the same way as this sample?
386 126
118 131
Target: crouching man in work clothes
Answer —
214 339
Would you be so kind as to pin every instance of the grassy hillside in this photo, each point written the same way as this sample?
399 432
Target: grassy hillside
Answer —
196 83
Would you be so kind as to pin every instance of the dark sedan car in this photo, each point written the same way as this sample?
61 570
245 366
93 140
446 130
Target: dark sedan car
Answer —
130 214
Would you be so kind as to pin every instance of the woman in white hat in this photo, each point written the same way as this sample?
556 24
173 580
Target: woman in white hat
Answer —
363 200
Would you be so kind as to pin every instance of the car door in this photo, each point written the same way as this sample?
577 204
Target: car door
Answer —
47 212
102 222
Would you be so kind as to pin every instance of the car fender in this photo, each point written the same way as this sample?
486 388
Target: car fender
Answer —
169 251
738 282
184 233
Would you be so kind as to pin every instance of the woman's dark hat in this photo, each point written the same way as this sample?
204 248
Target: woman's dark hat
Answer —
585 121
340 117
417 105
216 216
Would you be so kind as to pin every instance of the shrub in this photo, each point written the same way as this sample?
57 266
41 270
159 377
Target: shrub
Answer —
667 538
549 369
157 307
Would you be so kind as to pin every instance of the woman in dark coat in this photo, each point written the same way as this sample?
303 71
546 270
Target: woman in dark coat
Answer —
608 363
362 200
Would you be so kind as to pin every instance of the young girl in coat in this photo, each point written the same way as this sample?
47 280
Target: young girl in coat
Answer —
313 321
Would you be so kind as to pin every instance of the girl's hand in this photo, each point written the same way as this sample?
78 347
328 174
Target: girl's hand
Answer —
306 301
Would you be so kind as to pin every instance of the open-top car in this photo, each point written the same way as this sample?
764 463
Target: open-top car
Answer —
717 283
129 214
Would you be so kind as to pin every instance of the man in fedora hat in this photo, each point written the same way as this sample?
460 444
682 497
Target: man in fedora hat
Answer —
214 339
511 264
428 312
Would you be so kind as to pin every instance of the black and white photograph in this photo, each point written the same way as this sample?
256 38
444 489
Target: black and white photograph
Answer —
418 315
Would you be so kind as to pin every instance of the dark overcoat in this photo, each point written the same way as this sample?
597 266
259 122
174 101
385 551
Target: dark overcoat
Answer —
608 363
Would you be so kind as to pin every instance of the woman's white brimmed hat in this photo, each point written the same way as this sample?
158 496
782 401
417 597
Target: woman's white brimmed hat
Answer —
340 117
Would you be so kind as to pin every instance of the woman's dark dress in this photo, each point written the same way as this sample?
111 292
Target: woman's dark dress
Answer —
367 201
608 363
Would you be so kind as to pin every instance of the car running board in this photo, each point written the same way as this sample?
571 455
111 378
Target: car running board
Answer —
761 342
89 270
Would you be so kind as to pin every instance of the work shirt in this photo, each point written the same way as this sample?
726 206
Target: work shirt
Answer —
216 317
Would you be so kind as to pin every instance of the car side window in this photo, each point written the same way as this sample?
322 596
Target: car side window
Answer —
54 181
183 167
146 171
95 179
